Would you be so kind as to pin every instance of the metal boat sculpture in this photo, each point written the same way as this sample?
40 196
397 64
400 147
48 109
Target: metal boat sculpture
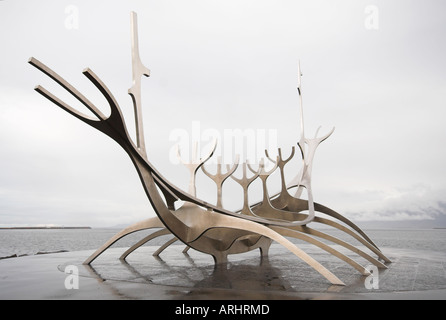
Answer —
208 228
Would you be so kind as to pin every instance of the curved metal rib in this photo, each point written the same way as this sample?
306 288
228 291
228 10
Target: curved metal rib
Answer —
138 226
222 221
245 182
287 202
195 163
264 175
293 233
143 241
207 220
283 199
219 178
320 208
73 91
164 246
266 210
364 242
340 242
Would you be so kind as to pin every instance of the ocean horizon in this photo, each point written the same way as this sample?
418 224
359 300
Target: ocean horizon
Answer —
22 242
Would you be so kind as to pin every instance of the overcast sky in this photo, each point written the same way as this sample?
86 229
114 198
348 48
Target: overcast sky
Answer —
373 69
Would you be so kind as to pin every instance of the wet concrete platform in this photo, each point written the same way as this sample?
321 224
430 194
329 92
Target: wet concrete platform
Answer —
177 276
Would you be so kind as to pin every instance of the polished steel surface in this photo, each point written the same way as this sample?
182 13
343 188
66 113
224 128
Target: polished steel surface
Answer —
195 163
219 178
138 70
208 228
245 182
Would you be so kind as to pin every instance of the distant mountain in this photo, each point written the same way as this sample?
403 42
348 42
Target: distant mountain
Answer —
439 223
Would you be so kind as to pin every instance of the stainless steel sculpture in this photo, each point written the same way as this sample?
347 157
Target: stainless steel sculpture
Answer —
208 228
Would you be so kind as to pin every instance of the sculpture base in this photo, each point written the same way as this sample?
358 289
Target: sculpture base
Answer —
412 275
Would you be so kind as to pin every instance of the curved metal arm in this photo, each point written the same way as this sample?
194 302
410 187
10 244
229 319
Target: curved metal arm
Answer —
281 164
320 139
219 178
262 171
285 161
280 161
244 181
195 163
72 90
113 126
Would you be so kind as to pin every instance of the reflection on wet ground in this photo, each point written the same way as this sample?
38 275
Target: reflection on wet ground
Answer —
280 275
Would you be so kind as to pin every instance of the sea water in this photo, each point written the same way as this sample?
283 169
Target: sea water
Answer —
19 242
